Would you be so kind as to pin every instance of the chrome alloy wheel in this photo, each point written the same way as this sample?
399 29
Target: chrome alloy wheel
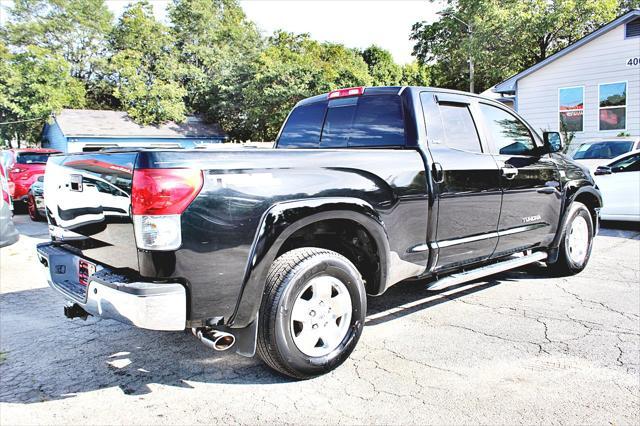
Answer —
321 316
578 240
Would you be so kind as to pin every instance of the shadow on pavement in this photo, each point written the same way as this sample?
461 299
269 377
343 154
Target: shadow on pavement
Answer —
46 356
619 229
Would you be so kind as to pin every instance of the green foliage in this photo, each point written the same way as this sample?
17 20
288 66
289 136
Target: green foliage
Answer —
75 30
383 71
33 84
293 67
145 67
415 74
507 36
218 48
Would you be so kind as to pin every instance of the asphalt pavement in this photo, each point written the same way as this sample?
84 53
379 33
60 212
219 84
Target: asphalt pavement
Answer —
517 348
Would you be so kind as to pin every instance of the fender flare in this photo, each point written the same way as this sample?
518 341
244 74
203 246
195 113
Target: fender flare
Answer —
279 222
570 197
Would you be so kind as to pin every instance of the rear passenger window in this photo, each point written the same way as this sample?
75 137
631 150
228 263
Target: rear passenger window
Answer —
303 126
459 129
510 135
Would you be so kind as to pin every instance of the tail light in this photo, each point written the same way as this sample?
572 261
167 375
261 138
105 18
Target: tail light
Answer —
158 198
342 93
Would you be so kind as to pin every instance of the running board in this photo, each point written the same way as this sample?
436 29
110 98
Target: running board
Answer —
474 274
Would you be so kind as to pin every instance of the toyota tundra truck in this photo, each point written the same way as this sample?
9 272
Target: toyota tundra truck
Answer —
274 251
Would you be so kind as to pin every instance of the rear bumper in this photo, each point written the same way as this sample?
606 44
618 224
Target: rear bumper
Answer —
153 306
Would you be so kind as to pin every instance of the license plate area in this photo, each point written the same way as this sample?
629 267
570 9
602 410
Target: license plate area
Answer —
85 270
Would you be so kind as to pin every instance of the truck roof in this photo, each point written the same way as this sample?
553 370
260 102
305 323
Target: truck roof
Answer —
390 90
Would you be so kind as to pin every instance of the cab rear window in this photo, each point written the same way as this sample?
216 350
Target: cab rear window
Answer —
365 121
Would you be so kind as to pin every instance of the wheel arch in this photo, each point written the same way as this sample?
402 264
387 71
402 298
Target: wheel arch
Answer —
280 222
587 195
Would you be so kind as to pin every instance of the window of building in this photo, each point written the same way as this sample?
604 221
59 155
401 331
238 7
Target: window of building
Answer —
613 106
510 135
459 128
632 29
571 109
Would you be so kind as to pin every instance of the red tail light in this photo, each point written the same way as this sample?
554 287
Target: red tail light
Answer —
350 91
5 196
164 191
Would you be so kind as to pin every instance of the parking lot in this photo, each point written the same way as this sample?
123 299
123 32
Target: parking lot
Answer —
519 347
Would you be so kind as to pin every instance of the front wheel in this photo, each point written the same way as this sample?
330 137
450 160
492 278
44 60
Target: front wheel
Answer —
312 312
576 242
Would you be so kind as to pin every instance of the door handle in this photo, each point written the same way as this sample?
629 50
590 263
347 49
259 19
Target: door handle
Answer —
509 172
547 190
437 172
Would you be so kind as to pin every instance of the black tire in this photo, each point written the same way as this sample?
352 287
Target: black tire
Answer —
565 265
286 279
32 209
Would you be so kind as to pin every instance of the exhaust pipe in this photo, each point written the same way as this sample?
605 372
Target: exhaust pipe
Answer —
214 339
75 311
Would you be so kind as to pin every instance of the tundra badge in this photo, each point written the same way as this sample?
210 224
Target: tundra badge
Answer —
529 219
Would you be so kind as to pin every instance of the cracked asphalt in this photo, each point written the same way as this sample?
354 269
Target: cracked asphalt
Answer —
518 348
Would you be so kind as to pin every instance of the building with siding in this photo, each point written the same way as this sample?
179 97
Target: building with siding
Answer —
591 88
78 130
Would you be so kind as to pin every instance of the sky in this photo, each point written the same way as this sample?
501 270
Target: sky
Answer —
354 23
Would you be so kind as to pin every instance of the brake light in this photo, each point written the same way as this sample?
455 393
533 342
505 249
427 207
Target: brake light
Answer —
164 191
350 91
5 196
158 198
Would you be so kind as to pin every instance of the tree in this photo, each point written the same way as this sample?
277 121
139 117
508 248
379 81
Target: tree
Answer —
34 84
506 37
383 70
144 67
415 74
218 48
294 67
77 31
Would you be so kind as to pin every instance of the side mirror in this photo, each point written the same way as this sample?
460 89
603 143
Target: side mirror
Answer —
602 170
552 141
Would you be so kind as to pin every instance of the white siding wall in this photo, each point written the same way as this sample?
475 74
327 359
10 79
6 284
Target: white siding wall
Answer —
600 61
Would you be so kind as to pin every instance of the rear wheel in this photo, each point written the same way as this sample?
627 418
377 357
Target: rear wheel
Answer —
576 241
312 312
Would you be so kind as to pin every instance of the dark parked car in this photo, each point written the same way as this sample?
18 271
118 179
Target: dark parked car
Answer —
35 200
275 250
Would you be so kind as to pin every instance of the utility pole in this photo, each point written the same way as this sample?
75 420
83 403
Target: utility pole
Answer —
470 32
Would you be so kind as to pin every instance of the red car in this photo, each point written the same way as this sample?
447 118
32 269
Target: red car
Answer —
24 166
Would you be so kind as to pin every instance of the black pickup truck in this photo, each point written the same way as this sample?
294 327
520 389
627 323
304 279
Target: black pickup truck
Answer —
275 250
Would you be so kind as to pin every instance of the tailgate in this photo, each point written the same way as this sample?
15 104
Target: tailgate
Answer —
87 199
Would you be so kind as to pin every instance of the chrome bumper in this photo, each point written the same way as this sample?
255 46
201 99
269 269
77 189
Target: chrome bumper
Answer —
154 306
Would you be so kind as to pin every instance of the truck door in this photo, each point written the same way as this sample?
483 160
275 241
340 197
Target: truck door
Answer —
529 179
466 181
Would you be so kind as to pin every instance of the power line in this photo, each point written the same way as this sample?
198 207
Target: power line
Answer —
21 121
